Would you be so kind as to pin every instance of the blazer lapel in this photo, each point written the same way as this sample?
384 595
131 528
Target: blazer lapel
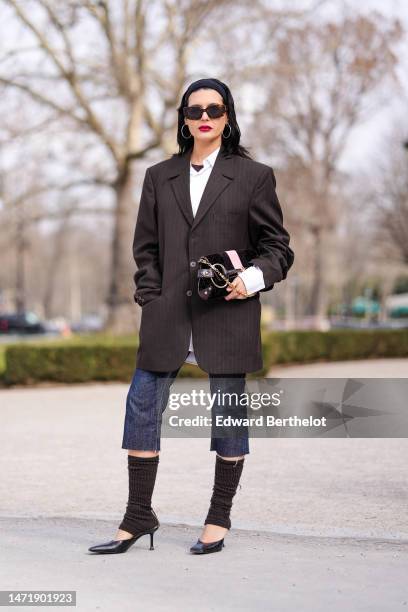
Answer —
222 173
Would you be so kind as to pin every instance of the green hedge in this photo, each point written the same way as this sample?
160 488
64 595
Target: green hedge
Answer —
333 345
67 364
114 359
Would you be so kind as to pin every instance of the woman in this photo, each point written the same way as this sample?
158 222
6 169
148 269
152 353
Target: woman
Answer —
209 197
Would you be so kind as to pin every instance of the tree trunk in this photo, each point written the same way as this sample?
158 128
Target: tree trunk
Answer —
54 267
318 299
21 245
123 313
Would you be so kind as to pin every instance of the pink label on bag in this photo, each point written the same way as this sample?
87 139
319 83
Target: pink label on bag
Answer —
235 260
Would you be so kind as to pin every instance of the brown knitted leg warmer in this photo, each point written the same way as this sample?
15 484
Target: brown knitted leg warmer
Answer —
139 514
226 480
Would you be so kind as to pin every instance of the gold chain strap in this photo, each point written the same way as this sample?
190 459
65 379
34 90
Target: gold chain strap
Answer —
205 260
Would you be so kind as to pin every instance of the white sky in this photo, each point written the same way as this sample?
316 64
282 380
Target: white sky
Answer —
368 137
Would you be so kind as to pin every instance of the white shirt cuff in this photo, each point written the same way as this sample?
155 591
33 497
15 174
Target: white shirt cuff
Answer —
253 279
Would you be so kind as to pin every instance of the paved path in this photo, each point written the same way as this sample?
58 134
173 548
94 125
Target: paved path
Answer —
255 570
317 523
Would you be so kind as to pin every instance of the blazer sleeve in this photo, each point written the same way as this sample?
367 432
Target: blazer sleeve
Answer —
148 276
267 233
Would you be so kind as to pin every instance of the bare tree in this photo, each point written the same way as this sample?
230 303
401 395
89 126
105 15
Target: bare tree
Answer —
95 68
322 81
390 197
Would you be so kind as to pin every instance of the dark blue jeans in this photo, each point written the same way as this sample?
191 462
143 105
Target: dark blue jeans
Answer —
147 399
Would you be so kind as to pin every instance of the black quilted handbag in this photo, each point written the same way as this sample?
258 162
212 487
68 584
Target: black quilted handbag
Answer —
217 271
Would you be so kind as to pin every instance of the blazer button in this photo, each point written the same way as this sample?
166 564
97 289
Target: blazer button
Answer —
193 264
189 293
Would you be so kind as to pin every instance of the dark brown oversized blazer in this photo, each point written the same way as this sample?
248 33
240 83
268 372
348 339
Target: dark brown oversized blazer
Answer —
239 209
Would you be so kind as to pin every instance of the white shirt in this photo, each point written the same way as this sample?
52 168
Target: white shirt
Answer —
252 276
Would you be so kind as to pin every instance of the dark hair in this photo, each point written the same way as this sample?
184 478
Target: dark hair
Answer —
229 145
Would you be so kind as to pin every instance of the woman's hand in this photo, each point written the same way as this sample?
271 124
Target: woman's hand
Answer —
239 284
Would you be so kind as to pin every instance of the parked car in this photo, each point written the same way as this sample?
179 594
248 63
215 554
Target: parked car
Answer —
88 323
21 323
397 305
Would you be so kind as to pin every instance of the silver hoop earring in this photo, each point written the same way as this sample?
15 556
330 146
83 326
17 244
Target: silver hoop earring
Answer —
183 135
227 124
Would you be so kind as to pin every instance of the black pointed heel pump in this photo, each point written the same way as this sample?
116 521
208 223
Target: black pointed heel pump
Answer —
203 548
121 546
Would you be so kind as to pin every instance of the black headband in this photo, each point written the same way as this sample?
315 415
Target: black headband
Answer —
212 83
